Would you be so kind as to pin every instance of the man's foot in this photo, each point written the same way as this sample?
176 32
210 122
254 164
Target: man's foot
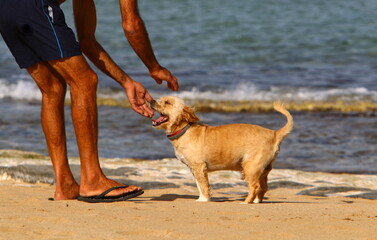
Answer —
103 198
103 185
67 191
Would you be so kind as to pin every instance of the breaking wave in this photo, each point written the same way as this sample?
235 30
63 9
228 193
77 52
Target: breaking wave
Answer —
19 90
244 97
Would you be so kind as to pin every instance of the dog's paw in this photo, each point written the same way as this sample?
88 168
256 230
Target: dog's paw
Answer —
202 199
257 200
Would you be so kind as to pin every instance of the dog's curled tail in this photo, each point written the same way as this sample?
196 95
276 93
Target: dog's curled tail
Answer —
284 131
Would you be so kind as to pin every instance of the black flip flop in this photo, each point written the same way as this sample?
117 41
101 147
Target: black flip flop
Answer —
102 198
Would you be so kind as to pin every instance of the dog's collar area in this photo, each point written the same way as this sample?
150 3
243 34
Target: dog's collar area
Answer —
179 133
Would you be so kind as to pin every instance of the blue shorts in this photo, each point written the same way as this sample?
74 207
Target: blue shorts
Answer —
35 30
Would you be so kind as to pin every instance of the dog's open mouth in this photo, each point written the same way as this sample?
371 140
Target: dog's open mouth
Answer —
163 118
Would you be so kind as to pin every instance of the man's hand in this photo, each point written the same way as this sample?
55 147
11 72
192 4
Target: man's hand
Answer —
137 95
162 74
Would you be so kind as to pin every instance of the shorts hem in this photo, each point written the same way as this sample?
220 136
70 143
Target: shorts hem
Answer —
46 59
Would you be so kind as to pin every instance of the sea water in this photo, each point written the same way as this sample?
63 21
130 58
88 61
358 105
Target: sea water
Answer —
232 59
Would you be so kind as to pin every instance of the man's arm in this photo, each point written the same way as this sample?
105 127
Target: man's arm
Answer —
85 19
86 22
137 36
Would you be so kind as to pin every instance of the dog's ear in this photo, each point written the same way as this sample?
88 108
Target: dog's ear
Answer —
189 115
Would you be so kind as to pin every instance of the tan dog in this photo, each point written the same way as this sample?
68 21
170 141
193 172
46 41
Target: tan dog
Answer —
247 148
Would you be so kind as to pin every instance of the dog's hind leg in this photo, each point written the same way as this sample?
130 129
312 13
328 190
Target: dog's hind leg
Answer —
201 176
256 178
263 179
252 179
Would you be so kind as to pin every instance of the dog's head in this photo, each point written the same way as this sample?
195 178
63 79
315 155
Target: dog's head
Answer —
174 114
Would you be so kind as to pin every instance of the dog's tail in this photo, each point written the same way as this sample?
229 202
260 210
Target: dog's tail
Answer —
284 131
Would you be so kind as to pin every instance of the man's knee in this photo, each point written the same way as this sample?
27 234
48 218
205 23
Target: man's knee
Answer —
49 83
85 81
92 79
55 89
76 72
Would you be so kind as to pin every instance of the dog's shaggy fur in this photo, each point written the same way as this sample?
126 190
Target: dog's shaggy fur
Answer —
247 148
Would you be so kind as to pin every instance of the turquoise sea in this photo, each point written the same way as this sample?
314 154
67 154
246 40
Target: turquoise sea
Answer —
232 58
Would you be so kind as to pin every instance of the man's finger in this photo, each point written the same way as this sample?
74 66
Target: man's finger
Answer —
147 111
137 109
142 110
174 85
148 97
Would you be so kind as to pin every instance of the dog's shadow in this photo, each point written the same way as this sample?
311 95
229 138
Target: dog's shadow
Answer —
173 197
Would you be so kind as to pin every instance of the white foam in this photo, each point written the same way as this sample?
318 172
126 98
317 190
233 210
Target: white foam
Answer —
116 95
20 90
248 91
24 89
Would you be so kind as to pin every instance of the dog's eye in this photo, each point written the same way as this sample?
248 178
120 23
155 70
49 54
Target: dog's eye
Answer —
167 103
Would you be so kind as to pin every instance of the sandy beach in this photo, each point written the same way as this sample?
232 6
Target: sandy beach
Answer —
173 214
299 205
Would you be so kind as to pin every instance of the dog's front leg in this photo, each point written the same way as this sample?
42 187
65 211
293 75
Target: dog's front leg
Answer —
201 176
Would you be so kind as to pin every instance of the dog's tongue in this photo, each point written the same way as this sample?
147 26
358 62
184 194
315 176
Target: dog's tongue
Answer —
158 120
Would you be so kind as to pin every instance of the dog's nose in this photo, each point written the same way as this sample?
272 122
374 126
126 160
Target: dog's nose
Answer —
153 102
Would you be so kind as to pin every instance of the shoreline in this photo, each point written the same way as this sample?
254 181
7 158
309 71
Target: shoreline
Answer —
169 173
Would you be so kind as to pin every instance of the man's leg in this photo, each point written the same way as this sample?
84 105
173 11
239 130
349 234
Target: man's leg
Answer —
53 90
83 88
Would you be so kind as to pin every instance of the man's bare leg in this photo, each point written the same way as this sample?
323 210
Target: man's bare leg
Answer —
83 88
53 90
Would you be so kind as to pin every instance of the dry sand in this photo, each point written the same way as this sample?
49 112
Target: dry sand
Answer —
173 214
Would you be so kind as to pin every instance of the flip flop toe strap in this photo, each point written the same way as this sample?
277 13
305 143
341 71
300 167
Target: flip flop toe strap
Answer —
102 195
